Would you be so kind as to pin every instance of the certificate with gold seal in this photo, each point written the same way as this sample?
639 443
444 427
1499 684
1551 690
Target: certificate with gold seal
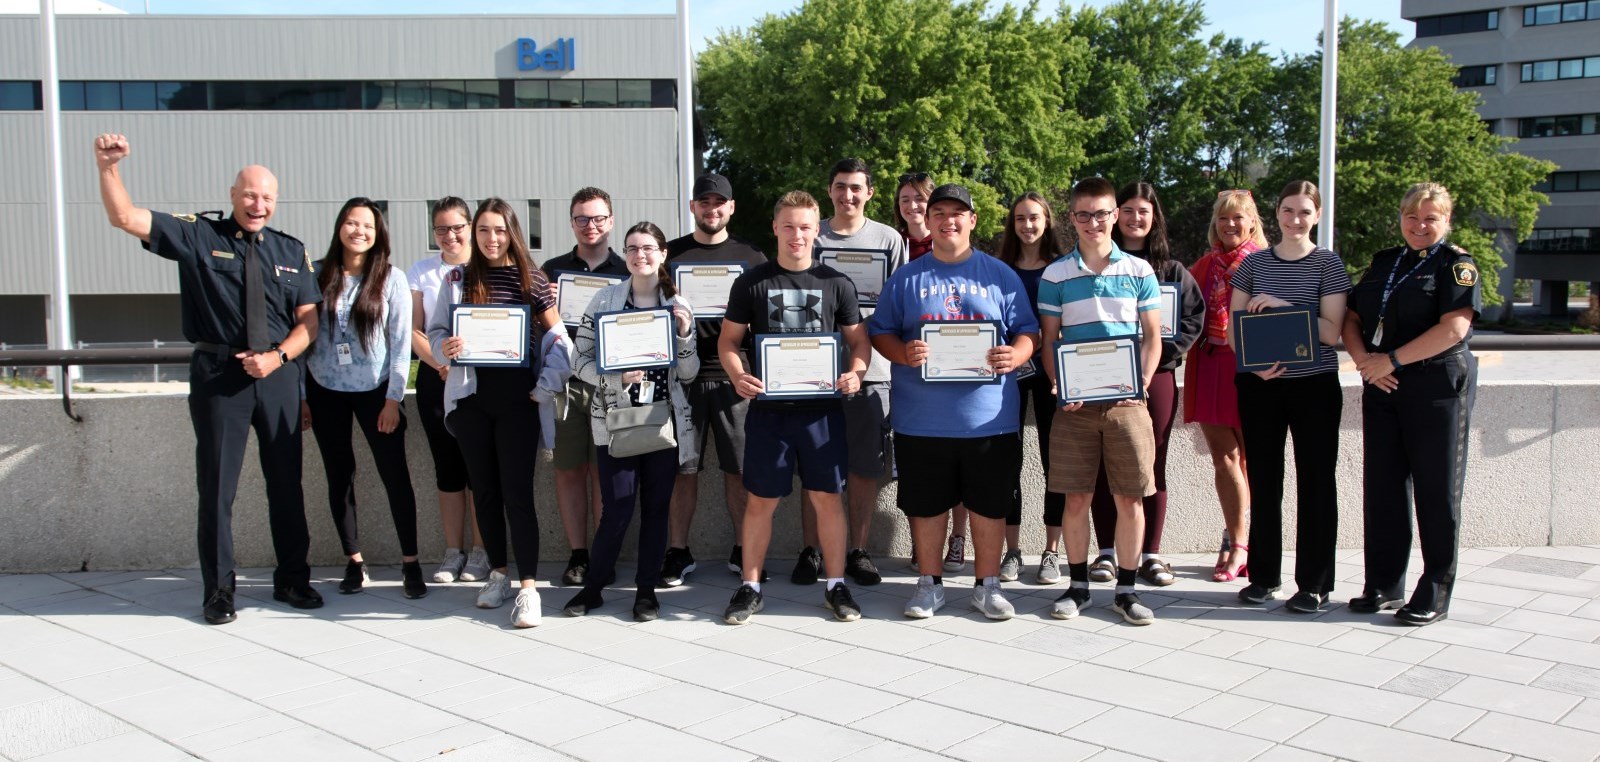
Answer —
706 285
634 339
1098 370
798 365
574 291
1276 335
491 334
958 351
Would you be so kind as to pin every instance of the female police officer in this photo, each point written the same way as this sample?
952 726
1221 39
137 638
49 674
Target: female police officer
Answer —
1407 331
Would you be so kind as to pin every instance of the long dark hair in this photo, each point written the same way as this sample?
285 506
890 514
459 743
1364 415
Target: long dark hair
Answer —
1156 248
366 313
922 183
663 273
1049 242
475 286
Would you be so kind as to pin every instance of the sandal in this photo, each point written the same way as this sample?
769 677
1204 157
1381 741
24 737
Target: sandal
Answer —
1223 574
1220 571
1156 572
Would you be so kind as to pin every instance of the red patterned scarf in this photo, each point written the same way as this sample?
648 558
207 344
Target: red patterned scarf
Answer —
1219 288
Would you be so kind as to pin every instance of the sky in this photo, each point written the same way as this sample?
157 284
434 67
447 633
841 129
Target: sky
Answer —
1286 26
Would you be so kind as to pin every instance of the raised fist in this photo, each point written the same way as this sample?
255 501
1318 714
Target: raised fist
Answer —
110 149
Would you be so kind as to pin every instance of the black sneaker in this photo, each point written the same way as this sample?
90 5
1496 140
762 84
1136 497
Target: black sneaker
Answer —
736 563
411 579
1305 602
746 603
577 568
858 565
807 568
219 607
299 595
677 565
1257 594
843 606
646 608
355 577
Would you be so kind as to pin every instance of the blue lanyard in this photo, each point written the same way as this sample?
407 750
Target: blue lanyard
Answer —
346 303
1389 286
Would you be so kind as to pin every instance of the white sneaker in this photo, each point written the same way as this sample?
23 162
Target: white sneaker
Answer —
986 598
450 568
525 612
477 566
928 599
494 592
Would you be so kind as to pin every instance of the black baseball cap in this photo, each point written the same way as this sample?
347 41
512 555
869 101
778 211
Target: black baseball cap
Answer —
713 183
951 192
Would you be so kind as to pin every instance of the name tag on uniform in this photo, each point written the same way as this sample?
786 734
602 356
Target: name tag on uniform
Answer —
342 351
222 254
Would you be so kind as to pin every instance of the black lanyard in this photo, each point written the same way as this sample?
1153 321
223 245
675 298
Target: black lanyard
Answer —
1389 286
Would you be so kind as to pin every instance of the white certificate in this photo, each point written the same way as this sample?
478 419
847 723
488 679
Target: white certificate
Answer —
706 285
574 291
959 351
634 339
1102 370
494 334
867 268
798 364
1171 309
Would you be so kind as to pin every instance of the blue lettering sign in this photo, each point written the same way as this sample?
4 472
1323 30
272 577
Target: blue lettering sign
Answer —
559 56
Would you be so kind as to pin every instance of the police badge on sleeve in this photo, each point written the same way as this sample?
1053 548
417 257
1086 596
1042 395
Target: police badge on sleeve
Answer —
1465 273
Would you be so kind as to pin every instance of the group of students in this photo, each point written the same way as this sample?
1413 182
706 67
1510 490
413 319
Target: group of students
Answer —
956 448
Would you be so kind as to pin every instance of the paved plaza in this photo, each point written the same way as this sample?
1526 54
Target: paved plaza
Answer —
118 665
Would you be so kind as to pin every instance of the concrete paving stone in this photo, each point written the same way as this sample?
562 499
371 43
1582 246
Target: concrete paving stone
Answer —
802 656
1225 644
1334 665
72 656
1198 669
1510 698
719 670
1150 694
541 664
446 741
1567 678
1224 711
168 645
639 739
1277 723
887 636
375 718
1579 553
1006 741
1474 635
135 680
427 675
17 691
1049 711
1171 634
1560 650
1533 739
1588 610
1586 716
606 683
306 637
21 633
54 724
556 720
756 640
1408 650
232 648
1551 603
112 619
1469 590
587 634
803 739
238 733
262 674
890 751
1282 753
1557 625
316 694
1535 582
128 747
965 623
1534 563
307 743
680 705
1477 612
1326 696
747 719
993 659
1164 738
1440 719
1363 742
489 696
927 680
1361 642
1425 682
366 658
1250 622
22 587
503 747
472 642
864 667
924 725
1112 755
650 651
1067 643
1491 664
1131 656
783 681
835 701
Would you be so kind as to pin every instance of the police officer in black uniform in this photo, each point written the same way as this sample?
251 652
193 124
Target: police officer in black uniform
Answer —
249 306
1407 329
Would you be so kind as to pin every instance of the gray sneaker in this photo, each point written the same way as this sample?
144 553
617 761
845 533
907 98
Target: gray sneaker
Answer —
494 592
986 598
1011 566
1133 611
477 566
1049 568
928 599
1071 603
450 568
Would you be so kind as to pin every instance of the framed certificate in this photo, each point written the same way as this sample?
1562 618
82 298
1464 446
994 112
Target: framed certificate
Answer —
867 268
798 365
706 285
1285 335
492 334
1100 370
958 351
574 291
634 339
1171 310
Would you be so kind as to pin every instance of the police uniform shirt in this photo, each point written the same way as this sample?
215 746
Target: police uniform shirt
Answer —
1423 293
211 258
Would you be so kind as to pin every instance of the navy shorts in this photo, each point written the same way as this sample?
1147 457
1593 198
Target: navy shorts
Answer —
779 441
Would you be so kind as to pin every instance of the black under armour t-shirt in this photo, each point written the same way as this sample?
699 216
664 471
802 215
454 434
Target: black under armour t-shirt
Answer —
771 299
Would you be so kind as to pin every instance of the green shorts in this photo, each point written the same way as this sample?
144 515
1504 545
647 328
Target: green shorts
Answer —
574 440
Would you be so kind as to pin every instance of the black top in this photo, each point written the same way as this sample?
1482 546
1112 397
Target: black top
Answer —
1424 291
210 254
1193 304
770 299
505 287
734 249
570 262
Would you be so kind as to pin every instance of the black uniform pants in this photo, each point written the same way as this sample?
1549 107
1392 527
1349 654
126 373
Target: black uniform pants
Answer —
1415 443
498 430
646 479
225 403
1308 408
331 413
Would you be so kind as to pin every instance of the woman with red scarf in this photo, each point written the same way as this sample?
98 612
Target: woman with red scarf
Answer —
1209 397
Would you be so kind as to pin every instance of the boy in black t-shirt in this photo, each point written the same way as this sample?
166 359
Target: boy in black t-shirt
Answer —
792 294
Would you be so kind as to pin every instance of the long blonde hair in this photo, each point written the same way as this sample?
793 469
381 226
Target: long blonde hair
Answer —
1235 201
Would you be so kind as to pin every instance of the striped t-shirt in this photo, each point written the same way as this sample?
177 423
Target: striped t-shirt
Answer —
1097 305
505 287
1301 282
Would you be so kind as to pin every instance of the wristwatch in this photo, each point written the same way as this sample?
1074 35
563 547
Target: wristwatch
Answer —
1395 360
283 357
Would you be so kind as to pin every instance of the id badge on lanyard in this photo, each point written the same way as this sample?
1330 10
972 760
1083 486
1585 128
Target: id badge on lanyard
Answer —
341 350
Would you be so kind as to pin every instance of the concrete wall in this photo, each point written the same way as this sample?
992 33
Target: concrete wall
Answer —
117 491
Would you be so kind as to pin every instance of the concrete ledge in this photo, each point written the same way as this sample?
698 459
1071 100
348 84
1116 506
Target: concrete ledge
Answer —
117 491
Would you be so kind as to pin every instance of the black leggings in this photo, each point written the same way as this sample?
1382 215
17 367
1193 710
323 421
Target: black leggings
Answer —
646 479
1037 387
449 470
1308 408
331 412
498 430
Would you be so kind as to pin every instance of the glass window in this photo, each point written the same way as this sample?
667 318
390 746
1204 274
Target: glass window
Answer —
483 93
19 96
1564 181
1572 11
1566 125
533 93
411 95
663 93
1494 20
71 96
633 93
1547 14
566 93
1594 10
138 96
378 95
1571 68
600 93
1488 74
102 96
1589 180
447 94
1589 121
1591 66
535 225
181 96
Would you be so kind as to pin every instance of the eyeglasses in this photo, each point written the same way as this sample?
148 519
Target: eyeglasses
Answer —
646 250
1227 193
443 230
1095 216
913 177
584 221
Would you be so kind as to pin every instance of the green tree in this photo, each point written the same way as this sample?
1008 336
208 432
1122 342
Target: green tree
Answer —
944 87
1401 120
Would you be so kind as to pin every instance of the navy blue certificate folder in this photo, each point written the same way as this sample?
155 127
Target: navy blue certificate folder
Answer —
1286 335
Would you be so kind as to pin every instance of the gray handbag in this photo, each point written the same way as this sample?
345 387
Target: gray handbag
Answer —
640 429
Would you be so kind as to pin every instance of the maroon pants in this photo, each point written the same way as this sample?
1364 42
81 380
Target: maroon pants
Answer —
1163 407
